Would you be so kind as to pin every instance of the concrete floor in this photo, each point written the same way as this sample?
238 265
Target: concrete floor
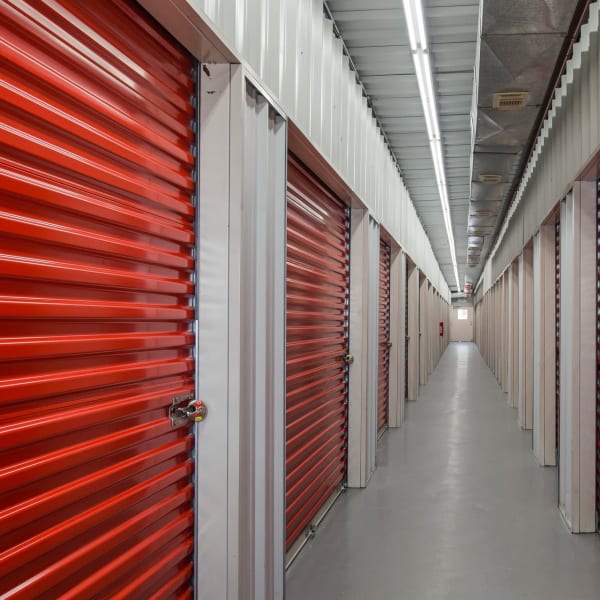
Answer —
457 510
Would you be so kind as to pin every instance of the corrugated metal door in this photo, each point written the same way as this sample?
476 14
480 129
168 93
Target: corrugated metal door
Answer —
557 334
317 342
383 376
598 355
406 336
96 303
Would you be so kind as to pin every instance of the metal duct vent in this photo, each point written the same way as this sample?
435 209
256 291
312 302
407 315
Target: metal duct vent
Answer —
490 178
477 231
510 100
483 213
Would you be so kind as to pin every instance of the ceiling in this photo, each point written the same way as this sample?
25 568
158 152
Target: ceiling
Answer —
521 42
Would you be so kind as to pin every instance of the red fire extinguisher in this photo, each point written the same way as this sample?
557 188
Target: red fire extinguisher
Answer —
441 328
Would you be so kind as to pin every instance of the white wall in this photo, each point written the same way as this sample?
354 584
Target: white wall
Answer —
397 335
413 332
525 402
240 355
577 445
544 346
461 331
513 335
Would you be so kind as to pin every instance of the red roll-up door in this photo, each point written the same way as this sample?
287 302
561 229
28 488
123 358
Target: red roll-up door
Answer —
96 302
557 335
598 355
317 342
406 337
383 376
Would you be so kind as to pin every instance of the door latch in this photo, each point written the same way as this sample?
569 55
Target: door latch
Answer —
348 359
186 408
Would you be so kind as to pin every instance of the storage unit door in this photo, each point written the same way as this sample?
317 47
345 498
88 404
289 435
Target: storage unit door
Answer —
406 336
317 343
557 335
383 375
96 303
598 356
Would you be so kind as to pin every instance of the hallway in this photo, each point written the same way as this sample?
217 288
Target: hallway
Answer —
457 510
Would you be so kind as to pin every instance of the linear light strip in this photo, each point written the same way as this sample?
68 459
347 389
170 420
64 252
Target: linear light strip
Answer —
417 35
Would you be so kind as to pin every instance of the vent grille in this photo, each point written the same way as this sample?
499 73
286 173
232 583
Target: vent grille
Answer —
478 232
510 100
490 178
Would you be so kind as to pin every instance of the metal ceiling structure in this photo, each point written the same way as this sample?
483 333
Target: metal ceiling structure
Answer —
521 42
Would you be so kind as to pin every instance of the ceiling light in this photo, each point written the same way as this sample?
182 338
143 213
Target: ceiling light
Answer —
415 23
413 12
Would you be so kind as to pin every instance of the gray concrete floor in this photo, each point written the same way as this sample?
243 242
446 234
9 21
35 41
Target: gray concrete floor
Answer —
457 510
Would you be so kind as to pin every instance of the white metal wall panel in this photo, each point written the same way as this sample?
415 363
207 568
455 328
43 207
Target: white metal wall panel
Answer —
276 24
337 100
544 359
291 49
318 56
214 319
244 249
326 89
261 343
538 313
567 314
288 58
361 157
505 317
577 475
413 331
423 323
526 338
362 425
302 66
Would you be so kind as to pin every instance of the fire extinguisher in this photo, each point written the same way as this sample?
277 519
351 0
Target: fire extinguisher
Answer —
441 328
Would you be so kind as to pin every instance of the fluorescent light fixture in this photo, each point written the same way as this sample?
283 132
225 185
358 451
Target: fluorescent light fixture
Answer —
430 94
413 12
415 22
422 37
410 24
